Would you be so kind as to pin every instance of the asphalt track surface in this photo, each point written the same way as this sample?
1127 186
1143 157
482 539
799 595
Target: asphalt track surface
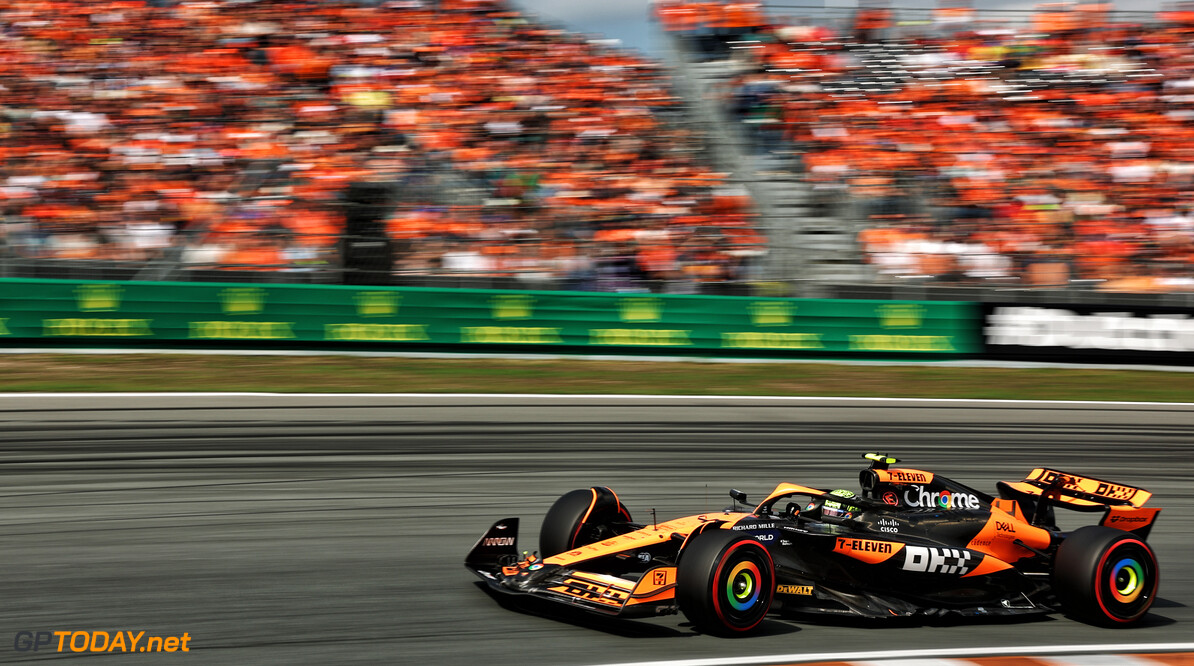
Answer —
319 530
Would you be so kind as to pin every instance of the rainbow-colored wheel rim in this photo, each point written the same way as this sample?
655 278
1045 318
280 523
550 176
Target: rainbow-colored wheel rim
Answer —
743 586
1127 580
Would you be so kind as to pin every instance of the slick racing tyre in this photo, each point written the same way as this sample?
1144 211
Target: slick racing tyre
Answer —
1105 576
578 518
725 582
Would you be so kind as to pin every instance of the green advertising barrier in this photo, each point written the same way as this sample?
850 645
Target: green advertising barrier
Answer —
53 312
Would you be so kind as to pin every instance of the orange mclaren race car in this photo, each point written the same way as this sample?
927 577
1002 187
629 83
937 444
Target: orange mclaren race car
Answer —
908 543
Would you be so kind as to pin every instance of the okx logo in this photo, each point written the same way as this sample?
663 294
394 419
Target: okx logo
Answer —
936 560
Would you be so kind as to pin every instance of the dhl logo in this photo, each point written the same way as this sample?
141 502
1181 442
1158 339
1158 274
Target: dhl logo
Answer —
602 594
1092 486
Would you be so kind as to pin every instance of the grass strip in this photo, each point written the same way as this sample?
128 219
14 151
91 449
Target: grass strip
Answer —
333 374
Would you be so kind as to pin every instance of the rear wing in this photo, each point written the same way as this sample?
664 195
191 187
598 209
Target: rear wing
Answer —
1080 492
1122 506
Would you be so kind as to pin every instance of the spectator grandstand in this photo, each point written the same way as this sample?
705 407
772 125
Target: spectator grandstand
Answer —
1040 150
169 139
202 139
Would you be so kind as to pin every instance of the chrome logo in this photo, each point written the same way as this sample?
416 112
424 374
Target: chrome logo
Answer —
1127 580
919 496
742 585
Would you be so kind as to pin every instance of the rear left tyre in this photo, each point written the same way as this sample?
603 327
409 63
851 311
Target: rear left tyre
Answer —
725 582
1105 576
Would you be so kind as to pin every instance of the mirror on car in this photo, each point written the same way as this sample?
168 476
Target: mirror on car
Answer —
738 496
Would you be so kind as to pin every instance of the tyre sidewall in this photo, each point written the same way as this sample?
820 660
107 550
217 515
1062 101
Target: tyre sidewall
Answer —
1084 576
710 567
564 525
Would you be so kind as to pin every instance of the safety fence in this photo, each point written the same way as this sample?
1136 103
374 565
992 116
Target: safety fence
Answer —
87 313
56 313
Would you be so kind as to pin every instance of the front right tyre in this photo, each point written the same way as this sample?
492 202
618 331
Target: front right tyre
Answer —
1105 576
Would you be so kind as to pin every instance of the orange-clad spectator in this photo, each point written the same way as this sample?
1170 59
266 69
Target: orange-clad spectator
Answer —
869 23
254 253
1041 159
223 108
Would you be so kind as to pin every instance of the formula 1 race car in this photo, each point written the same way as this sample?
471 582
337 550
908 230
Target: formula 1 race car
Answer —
910 543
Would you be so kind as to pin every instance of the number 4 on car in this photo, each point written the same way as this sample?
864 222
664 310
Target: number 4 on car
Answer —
907 543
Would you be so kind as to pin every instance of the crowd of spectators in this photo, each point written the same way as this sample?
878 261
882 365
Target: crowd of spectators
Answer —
227 132
1051 153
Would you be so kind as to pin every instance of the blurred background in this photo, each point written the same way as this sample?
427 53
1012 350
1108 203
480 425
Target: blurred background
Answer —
878 149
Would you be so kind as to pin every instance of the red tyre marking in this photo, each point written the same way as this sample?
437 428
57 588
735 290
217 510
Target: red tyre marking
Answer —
622 510
1099 576
576 534
717 575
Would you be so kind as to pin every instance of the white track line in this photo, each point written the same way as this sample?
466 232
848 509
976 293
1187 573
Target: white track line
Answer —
1026 650
953 363
585 396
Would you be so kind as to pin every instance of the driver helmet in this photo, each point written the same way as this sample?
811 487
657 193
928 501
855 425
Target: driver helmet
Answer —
839 511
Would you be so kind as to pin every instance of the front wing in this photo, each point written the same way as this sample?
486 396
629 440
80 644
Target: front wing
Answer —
495 560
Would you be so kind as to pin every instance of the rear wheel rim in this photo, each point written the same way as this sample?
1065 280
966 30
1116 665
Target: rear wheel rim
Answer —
1126 580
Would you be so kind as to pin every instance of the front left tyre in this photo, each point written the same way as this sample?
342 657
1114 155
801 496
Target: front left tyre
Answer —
1105 576
580 517
725 582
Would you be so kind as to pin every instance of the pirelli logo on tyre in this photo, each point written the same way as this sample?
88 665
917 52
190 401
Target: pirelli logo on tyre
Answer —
870 551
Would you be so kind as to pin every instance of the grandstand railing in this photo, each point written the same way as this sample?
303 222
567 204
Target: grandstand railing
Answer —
897 22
